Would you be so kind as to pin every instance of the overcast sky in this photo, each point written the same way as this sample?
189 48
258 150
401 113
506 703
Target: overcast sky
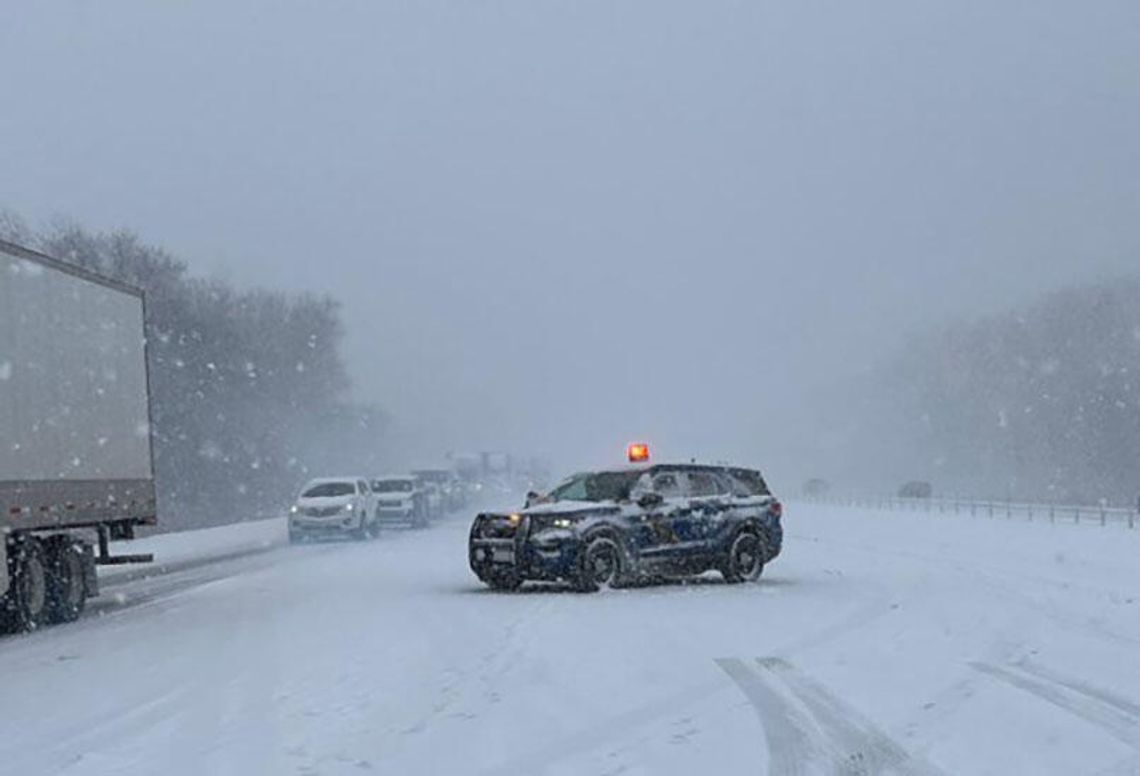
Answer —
559 226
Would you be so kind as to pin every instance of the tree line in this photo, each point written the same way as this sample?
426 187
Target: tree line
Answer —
1040 403
249 389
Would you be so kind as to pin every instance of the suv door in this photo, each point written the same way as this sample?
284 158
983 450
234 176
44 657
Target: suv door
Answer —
708 508
655 531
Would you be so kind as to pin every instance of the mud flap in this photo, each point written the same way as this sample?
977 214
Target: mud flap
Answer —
90 578
4 582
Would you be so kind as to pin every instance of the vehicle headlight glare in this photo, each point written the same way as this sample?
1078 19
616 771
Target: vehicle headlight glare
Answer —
563 522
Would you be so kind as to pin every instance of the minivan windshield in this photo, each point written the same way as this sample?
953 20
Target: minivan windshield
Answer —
392 486
330 490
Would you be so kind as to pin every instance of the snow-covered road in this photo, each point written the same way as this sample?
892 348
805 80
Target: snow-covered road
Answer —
878 643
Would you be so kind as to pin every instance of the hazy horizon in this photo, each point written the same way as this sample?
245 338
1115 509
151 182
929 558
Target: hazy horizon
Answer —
556 228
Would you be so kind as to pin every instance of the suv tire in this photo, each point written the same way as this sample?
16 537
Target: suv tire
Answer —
744 561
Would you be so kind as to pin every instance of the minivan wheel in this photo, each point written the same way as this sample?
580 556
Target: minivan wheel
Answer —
599 565
745 560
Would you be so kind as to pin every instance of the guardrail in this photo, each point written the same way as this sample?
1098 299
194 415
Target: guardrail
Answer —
1007 510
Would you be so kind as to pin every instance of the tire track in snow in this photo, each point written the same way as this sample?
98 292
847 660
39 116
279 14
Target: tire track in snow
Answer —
1114 714
810 731
612 728
859 746
790 746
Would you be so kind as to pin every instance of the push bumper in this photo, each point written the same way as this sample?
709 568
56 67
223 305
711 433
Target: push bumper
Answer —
527 559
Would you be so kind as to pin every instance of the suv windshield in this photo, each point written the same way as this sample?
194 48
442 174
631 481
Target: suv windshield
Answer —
330 489
392 486
596 486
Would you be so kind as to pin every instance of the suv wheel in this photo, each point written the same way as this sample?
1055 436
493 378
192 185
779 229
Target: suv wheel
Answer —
503 580
599 565
419 515
745 560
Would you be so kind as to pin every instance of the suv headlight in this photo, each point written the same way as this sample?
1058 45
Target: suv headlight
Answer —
542 522
349 507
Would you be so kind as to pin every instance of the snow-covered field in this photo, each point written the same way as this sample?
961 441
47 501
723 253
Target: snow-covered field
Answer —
879 643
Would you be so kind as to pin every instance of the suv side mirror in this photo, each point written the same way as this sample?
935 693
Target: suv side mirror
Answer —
650 500
532 498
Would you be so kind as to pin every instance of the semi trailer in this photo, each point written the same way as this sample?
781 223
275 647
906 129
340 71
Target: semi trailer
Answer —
76 468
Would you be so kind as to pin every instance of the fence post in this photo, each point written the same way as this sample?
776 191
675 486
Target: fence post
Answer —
1131 517
1029 508
1008 510
1102 515
1076 514
1052 513
990 507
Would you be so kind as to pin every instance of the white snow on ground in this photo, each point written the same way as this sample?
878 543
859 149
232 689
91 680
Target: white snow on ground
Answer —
174 550
879 643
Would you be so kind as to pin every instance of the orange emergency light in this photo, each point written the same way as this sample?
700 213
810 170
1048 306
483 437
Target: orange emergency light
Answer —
638 452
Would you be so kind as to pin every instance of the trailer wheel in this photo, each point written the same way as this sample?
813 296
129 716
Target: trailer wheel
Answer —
25 605
66 588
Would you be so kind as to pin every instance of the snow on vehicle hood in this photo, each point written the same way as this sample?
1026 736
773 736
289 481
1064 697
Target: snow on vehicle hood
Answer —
325 501
570 508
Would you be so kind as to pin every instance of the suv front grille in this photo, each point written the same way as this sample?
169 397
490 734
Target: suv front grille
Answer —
498 527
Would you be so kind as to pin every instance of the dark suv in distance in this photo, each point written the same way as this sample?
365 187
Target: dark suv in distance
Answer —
612 528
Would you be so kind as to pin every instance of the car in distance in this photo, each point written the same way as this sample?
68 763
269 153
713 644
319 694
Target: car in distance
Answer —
450 488
402 500
623 526
916 489
816 488
332 506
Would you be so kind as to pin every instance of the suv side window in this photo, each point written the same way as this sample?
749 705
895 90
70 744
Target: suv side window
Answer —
669 484
733 486
703 484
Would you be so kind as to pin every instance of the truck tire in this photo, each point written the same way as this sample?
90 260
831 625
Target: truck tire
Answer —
599 565
744 561
66 586
25 605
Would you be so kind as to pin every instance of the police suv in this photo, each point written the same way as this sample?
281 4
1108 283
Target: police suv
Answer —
609 528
